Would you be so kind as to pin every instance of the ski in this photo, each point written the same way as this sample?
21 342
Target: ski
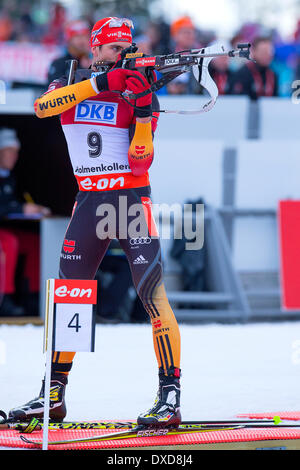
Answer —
136 432
73 425
131 429
34 424
140 431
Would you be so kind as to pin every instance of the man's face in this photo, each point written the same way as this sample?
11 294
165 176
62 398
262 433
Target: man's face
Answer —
109 52
263 53
8 158
80 44
185 38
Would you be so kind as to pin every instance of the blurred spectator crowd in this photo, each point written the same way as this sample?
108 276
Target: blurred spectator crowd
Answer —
277 59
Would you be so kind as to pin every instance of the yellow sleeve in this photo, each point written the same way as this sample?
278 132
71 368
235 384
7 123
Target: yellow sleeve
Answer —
64 98
141 152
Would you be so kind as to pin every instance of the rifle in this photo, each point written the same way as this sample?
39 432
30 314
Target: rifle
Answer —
170 66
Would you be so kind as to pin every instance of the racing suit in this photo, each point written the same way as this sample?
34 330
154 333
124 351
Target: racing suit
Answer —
98 131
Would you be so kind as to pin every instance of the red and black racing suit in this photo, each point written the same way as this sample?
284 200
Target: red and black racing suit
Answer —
98 132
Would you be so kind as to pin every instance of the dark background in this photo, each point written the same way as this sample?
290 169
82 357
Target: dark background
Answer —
44 169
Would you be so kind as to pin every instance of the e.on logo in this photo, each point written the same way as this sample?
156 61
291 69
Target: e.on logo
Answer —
75 291
100 184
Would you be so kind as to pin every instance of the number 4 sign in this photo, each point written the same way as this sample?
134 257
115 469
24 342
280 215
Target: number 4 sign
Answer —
73 314
69 326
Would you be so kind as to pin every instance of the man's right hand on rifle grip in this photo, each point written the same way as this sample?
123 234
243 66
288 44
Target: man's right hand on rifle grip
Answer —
115 79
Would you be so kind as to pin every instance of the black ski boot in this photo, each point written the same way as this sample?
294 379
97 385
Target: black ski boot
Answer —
35 407
165 412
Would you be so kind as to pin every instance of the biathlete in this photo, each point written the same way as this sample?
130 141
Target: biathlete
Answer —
111 149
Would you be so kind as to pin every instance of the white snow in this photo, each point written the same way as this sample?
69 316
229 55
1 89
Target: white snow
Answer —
227 369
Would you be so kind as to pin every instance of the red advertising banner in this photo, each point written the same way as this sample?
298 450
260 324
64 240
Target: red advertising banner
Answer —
289 239
75 291
26 62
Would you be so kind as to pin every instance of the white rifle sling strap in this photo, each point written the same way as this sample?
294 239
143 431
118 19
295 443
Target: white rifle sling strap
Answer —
202 75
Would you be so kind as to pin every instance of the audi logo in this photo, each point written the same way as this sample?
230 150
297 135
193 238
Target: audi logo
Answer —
140 241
